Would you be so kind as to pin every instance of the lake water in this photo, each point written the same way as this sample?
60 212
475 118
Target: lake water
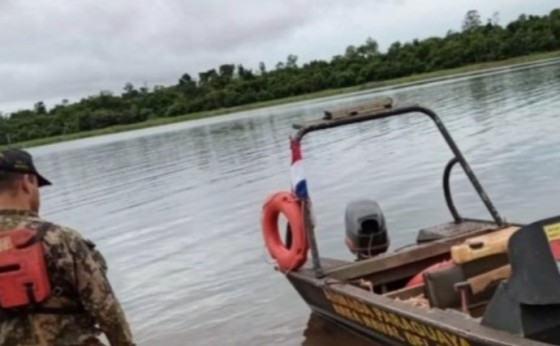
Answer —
176 209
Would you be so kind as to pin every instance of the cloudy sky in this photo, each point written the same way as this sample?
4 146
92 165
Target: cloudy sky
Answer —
56 49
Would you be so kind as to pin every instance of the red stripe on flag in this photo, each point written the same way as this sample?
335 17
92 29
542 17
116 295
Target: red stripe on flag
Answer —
296 150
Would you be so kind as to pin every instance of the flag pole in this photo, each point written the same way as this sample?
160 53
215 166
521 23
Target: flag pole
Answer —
299 188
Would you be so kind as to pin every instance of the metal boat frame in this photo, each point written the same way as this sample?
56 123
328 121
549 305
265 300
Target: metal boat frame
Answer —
381 110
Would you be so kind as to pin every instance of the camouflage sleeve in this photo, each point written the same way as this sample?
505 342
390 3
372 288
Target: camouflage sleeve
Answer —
97 295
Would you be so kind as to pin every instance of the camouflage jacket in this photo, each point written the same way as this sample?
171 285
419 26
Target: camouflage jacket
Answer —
78 278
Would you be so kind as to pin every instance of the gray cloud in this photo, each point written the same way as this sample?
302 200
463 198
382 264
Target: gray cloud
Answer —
56 49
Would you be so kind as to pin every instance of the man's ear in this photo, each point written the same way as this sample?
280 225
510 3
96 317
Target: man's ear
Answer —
27 182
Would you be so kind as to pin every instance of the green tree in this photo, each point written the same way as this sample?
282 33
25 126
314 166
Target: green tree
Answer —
472 20
40 108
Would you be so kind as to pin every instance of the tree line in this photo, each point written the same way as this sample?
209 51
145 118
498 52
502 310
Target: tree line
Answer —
233 85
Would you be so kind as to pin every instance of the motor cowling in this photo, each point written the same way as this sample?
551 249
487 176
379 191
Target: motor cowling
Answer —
366 230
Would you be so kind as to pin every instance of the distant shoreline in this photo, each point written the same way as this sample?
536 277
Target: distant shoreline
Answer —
419 79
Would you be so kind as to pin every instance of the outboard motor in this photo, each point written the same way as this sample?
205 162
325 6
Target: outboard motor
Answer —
366 230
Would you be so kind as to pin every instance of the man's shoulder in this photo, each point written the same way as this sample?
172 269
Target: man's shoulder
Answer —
81 247
33 221
56 232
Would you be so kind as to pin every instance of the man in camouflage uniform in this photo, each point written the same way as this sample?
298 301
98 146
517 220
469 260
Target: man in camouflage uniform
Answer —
82 304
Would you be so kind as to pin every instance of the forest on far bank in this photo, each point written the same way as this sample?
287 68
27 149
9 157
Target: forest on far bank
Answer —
480 40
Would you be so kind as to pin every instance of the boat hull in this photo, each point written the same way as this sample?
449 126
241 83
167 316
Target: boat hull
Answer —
389 322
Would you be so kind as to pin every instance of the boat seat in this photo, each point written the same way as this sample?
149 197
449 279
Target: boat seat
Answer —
441 286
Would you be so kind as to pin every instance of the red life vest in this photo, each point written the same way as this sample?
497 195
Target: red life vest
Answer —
24 278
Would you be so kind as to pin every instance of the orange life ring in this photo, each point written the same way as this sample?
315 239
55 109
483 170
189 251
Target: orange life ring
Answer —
419 278
295 256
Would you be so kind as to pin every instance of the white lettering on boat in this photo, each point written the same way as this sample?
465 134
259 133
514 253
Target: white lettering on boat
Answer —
398 327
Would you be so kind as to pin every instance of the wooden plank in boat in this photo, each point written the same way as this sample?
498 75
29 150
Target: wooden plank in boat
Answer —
480 282
482 246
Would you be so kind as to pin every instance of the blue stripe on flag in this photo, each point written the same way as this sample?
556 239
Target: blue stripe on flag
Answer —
301 190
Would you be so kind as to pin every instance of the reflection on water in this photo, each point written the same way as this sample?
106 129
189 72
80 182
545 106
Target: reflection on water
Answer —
176 210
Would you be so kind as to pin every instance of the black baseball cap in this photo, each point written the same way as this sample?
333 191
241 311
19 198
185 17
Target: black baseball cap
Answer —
20 161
